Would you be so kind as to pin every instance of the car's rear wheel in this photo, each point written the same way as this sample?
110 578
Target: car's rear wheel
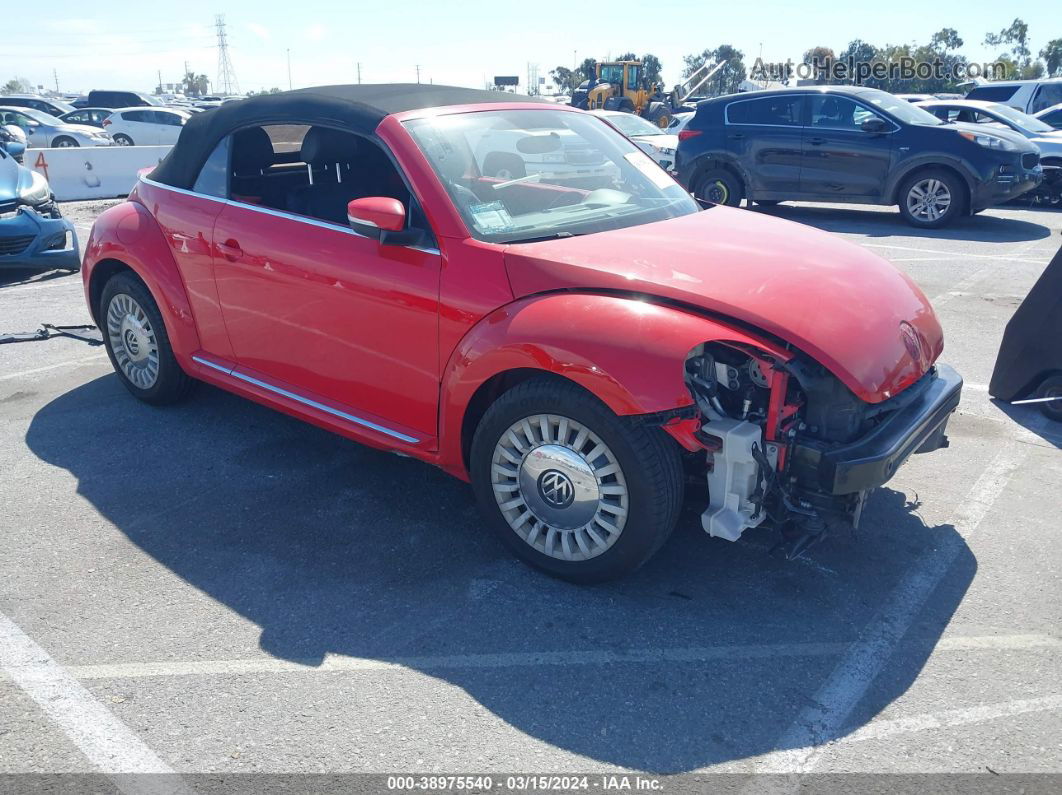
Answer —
503 166
1051 388
931 199
123 140
570 487
64 142
137 343
720 186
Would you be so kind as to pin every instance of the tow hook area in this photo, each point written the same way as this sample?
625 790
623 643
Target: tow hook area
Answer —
736 481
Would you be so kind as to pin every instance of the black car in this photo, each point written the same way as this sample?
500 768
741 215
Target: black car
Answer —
104 98
850 144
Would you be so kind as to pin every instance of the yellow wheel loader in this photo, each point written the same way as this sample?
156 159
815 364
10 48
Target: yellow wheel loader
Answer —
621 85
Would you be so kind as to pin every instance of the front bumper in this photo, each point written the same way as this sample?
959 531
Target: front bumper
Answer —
918 426
31 240
1006 182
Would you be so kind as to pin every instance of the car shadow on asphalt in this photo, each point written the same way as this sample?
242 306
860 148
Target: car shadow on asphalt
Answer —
12 277
1033 420
333 548
887 222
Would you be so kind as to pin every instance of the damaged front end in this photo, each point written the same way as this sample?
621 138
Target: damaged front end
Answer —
789 446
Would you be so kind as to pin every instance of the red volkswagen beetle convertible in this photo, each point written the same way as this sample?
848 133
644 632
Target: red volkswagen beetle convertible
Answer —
567 330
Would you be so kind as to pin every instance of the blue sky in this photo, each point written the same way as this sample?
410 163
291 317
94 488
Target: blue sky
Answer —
126 44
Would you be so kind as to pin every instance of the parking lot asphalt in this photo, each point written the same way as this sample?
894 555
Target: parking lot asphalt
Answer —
219 588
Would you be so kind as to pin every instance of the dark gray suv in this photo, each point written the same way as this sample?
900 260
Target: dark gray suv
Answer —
850 144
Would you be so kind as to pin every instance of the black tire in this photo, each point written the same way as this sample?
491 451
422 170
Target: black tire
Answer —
64 141
648 461
504 166
171 384
123 140
924 219
659 115
720 186
1051 387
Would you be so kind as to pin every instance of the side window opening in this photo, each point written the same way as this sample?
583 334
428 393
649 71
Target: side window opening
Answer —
311 171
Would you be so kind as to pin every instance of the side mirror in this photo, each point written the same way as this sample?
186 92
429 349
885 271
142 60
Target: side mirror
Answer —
875 125
382 218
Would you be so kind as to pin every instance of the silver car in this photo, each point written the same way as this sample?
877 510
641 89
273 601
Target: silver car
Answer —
999 115
44 131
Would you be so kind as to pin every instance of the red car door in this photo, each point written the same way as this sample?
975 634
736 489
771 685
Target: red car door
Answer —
321 312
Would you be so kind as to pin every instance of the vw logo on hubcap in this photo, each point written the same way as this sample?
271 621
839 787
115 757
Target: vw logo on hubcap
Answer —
556 488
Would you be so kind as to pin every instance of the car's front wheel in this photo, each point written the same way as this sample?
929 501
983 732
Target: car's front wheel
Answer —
569 486
137 343
931 199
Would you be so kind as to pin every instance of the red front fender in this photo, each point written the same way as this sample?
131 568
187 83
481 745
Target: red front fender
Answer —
629 353
127 233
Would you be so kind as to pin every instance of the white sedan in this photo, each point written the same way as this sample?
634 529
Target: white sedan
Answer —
143 126
658 144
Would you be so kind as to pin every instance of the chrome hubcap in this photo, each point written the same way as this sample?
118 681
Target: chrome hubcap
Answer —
559 487
132 341
929 199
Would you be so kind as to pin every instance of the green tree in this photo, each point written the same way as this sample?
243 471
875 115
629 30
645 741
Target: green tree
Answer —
821 59
17 85
564 78
857 52
195 85
728 79
946 39
1016 37
1052 55
587 70
653 69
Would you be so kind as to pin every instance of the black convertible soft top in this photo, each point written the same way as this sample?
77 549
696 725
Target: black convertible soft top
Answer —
359 108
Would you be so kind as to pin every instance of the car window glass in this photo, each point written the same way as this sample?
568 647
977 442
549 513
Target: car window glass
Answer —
992 93
135 115
519 175
213 179
267 167
839 113
768 110
1047 95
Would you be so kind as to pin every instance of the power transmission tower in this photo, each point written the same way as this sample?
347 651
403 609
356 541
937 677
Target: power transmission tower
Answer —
226 74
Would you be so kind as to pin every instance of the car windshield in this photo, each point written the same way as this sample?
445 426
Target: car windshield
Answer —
900 108
522 175
629 124
40 115
1023 120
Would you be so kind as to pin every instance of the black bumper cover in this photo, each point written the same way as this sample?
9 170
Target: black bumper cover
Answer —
872 460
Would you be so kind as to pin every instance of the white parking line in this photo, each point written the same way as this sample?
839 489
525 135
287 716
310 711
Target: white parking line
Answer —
108 743
802 743
335 663
56 366
882 729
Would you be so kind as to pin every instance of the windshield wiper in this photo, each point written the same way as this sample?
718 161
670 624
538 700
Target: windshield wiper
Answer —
540 238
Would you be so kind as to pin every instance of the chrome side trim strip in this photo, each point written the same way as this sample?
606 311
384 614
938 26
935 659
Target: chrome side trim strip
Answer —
184 192
307 402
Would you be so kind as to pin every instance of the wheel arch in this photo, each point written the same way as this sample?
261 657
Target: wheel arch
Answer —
712 161
627 352
964 180
126 238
